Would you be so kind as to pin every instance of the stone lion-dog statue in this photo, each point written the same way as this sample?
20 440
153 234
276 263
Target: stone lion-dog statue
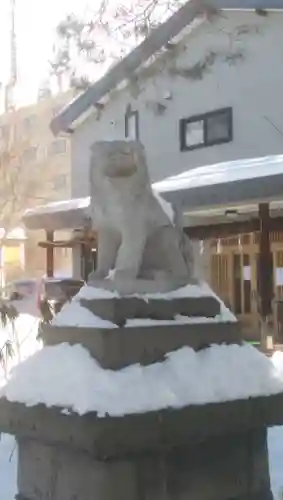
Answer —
140 248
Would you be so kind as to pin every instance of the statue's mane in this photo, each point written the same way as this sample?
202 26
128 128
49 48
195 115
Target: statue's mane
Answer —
136 185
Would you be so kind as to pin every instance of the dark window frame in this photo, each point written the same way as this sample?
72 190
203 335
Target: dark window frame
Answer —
132 113
204 117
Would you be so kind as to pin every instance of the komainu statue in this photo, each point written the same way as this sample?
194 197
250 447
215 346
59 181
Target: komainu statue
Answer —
140 246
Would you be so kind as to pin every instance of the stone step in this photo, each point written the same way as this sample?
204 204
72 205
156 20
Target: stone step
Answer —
119 347
118 310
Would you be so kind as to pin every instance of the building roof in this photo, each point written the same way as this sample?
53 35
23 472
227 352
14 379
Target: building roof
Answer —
202 193
67 214
154 42
212 189
18 233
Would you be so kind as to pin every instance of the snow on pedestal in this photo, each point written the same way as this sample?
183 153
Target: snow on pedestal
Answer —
123 330
218 374
73 314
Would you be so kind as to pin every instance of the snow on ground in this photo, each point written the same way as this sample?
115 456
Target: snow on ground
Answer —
8 467
275 448
23 336
220 373
73 314
26 327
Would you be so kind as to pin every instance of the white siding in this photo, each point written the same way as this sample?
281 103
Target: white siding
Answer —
252 86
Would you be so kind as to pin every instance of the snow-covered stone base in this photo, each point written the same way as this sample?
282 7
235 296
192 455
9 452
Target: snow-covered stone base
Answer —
68 377
73 314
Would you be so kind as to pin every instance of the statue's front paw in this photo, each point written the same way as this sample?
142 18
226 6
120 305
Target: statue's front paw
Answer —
98 274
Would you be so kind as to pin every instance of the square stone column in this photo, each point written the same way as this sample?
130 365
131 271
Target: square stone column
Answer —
233 466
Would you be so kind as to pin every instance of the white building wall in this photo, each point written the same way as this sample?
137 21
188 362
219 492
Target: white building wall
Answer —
252 85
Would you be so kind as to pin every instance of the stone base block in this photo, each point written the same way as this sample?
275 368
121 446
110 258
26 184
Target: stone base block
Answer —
118 347
233 466
118 310
114 437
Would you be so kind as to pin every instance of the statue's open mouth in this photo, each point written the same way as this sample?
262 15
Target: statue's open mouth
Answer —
114 171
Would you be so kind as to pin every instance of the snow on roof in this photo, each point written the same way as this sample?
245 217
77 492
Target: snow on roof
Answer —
219 373
18 233
67 214
251 181
59 206
234 183
84 203
221 173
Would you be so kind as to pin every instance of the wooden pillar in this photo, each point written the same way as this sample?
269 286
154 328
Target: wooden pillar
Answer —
265 267
85 255
50 254
265 277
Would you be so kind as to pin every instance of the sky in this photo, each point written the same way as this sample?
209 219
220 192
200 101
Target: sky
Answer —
36 21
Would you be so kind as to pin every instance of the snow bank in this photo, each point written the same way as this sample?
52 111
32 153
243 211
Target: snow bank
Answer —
24 340
73 314
67 376
8 467
275 449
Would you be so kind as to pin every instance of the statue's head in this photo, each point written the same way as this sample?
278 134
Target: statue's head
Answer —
118 163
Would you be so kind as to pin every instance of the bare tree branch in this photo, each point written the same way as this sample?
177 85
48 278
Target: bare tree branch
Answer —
87 45
23 184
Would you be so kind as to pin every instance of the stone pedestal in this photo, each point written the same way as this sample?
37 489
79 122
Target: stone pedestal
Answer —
119 310
208 452
119 347
146 342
